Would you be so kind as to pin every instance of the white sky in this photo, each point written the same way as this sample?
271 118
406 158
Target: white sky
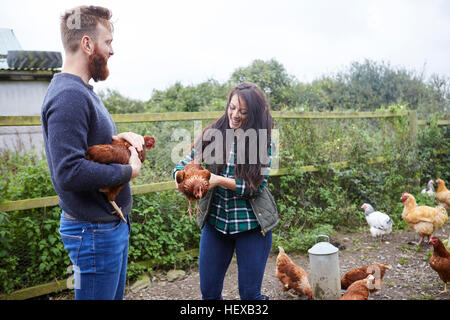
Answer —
158 43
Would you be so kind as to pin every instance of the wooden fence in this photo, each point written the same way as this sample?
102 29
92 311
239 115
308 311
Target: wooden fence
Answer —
183 116
170 185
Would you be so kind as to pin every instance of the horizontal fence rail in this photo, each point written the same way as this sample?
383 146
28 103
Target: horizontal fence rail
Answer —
183 116
153 187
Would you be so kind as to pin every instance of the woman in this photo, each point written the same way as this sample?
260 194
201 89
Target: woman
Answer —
238 212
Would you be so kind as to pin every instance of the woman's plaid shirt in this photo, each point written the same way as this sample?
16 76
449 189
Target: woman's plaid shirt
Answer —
231 211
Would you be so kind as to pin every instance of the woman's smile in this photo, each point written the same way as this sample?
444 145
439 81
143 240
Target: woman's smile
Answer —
237 112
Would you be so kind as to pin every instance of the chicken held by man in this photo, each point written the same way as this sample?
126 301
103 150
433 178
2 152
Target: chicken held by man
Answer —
116 152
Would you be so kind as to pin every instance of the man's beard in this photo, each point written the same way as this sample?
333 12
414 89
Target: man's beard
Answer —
98 65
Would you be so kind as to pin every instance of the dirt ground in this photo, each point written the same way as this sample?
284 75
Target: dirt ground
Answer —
411 277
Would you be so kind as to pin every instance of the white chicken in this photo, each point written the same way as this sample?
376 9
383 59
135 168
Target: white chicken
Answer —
380 223
429 190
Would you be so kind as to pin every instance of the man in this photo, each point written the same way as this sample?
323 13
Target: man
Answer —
73 118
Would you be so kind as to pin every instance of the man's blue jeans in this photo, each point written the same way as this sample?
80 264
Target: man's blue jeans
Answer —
99 255
216 252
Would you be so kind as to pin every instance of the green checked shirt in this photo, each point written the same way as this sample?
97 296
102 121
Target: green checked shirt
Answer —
231 211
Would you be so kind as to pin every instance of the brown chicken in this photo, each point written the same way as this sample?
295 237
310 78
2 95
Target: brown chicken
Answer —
116 152
423 220
440 261
443 194
193 182
376 269
359 290
292 276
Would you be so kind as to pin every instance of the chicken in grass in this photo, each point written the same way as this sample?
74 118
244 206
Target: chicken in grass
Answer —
440 261
443 194
423 220
292 276
429 190
193 182
116 152
376 269
359 290
380 223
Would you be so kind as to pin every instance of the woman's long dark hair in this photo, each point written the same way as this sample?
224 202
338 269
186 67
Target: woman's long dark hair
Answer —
258 118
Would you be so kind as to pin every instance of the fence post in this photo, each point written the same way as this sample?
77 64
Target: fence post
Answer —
413 126
413 123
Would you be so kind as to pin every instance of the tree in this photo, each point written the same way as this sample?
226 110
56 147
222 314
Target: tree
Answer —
271 77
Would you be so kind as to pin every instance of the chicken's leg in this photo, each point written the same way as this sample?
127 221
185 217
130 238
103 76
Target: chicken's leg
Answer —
189 211
445 289
118 211
421 240
197 209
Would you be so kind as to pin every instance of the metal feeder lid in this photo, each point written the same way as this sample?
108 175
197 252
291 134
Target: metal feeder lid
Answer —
323 248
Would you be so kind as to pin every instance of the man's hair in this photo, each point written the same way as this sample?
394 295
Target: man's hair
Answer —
81 21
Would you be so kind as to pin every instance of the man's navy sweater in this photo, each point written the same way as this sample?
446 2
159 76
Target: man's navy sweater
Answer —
73 118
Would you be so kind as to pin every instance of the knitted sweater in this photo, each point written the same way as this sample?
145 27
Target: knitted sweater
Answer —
73 117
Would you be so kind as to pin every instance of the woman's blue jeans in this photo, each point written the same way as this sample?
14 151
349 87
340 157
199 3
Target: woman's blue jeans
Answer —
99 255
216 252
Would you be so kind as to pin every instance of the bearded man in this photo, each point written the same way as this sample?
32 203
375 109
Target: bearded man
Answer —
74 118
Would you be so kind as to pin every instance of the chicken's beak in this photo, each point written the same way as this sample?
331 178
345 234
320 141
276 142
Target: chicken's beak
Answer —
198 193
403 198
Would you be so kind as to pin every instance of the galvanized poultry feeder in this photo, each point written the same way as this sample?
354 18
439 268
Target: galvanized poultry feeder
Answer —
325 275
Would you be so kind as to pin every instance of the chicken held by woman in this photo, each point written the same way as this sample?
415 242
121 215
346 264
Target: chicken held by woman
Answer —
193 182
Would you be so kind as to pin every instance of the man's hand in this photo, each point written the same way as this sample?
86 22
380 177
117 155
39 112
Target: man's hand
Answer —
134 162
136 140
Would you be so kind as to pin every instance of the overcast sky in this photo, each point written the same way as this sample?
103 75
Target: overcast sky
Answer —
158 43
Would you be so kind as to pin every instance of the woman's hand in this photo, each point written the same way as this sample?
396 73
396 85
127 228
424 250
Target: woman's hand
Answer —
136 140
216 180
